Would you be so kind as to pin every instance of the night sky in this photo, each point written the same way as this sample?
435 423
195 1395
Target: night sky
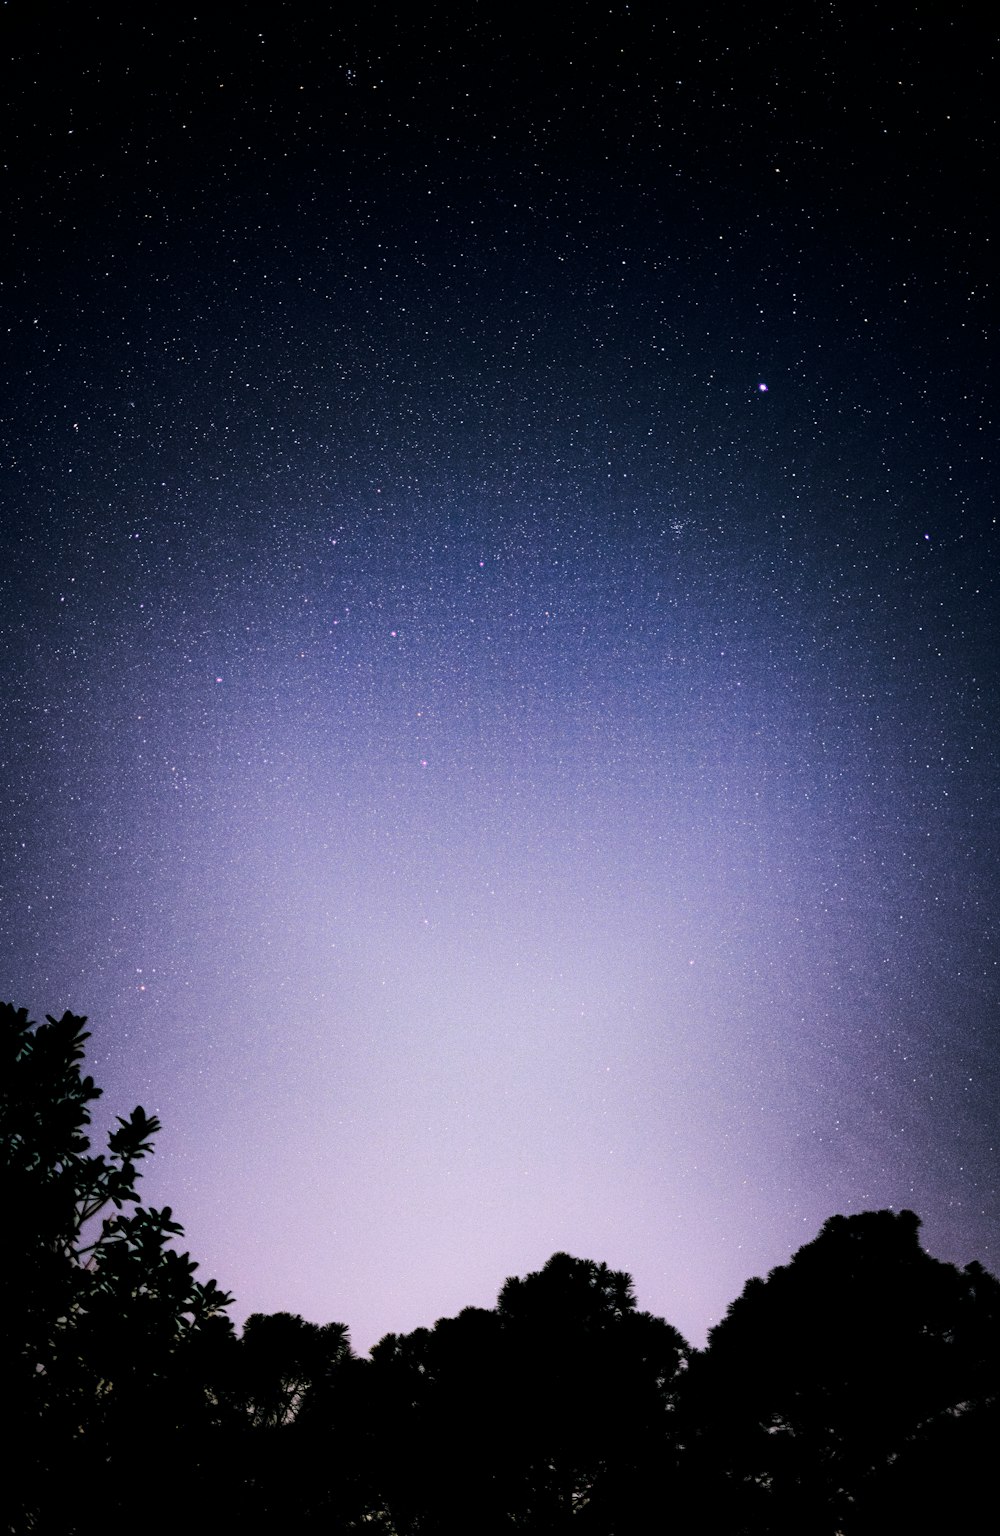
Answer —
499 622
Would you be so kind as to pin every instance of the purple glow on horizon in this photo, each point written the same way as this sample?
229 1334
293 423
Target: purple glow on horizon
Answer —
689 940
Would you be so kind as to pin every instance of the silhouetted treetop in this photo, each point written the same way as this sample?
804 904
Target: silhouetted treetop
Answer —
820 1376
854 1390
283 1358
569 1292
103 1318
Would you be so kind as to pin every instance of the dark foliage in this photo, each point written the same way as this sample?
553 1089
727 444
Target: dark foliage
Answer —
537 1415
862 1357
109 1342
855 1390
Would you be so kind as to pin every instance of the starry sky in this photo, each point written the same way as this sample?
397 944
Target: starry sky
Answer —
499 628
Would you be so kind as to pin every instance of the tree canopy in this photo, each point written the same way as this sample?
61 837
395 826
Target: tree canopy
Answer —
823 1376
853 1390
107 1333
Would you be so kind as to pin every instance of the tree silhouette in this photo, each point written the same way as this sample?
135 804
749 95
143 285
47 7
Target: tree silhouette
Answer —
553 1410
821 1378
108 1338
292 1449
282 1359
855 1390
441 1398
598 1382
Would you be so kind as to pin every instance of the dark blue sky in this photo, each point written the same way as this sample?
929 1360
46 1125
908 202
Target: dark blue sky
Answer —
498 779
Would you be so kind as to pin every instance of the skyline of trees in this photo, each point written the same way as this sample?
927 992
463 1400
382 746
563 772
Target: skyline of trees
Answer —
856 1384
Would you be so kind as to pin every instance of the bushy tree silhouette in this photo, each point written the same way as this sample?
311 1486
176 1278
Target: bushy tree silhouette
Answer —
301 1455
108 1338
597 1382
545 1414
855 1390
824 1375
283 1358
